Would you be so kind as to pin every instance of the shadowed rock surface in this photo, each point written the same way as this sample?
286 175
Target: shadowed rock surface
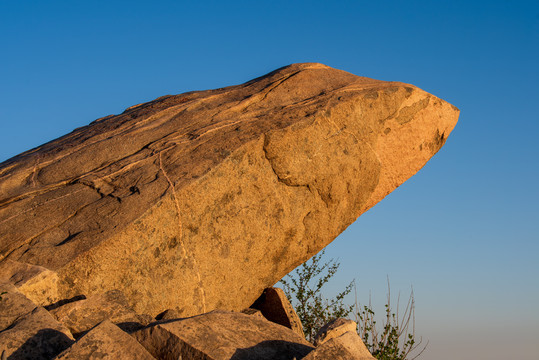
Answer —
201 200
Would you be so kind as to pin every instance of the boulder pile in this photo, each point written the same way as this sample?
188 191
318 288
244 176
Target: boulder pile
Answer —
105 327
199 202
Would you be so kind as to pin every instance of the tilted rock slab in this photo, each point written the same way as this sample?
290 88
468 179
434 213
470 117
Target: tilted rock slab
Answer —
13 305
222 335
201 200
105 341
82 315
36 335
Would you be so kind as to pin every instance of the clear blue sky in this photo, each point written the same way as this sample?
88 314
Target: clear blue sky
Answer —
464 231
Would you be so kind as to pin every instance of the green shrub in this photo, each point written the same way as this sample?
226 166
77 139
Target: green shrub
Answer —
394 341
303 288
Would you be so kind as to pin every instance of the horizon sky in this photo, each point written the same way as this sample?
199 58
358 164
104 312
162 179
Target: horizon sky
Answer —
463 231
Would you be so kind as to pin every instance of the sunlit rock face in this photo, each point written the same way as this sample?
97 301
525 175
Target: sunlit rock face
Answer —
201 200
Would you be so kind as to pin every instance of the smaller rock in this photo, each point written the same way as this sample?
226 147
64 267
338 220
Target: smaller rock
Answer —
347 346
222 335
106 341
37 283
170 314
253 312
82 315
36 335
333 329
276 308
13 305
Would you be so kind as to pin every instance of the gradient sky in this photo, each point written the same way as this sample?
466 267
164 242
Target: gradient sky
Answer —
464 231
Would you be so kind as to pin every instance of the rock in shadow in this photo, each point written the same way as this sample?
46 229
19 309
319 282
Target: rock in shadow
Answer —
44 345
130 326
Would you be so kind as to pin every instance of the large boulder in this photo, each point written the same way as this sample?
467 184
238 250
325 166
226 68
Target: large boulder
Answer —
201 200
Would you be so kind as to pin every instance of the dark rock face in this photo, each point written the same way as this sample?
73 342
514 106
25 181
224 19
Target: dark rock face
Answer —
275 307
173 198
